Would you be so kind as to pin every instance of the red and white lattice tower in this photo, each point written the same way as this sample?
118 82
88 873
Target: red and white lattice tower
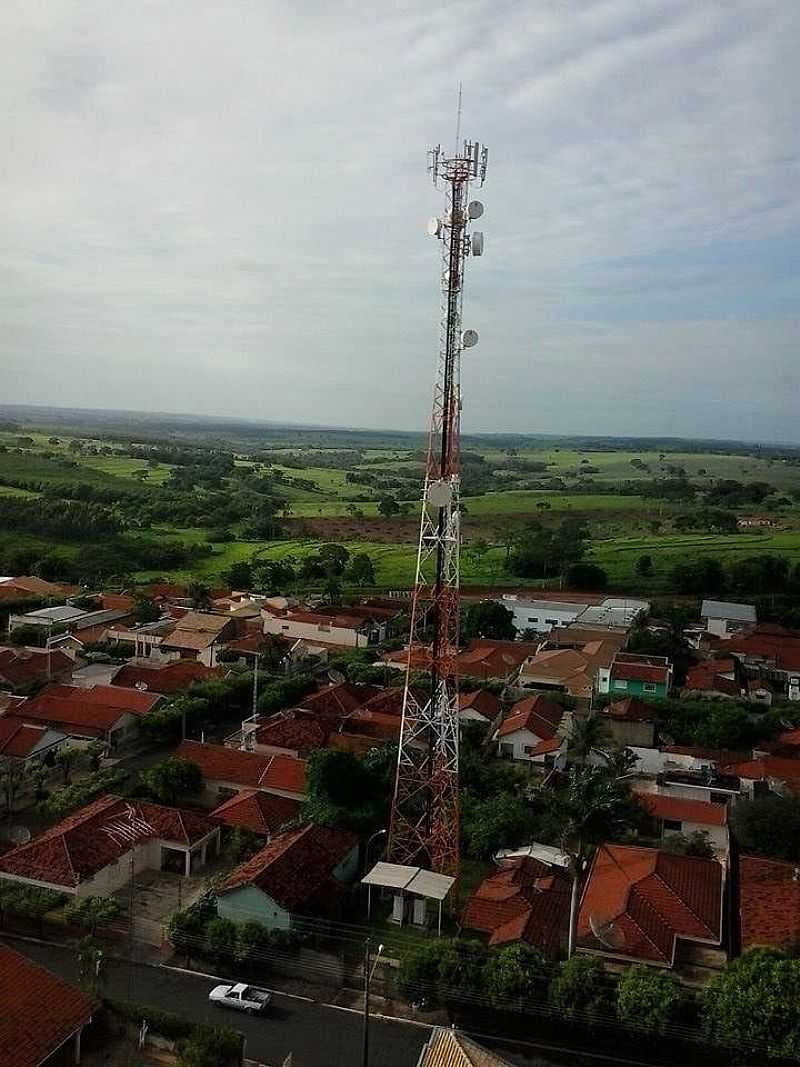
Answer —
424 820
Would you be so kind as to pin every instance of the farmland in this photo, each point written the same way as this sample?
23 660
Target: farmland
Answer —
277 494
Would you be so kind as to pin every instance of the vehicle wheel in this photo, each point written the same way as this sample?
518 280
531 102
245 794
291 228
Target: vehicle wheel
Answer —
251 1011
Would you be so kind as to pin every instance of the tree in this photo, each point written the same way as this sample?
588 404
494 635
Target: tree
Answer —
67 758
145 610
252 942
489 619
512 973
581 985
199 594
12 779
173 778
28 634
702 577
95 751
644 566
487 824
769 826
585 736
586 576
240 845
694 844
91 912
346 791
754 1004
221 939
650 998
361 570
388 506
591 808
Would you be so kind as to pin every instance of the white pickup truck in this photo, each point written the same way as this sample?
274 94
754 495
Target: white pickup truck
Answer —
240 996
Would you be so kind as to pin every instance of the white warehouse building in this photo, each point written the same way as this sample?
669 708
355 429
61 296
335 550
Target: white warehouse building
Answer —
613 613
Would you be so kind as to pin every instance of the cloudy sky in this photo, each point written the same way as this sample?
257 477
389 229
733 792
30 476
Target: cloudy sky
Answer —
220 207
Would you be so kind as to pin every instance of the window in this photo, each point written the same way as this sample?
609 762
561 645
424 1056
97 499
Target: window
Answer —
533 618
619 684
673 824
551 622
649 687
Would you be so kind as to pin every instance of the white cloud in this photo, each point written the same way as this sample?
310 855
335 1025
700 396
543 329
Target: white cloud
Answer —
220 208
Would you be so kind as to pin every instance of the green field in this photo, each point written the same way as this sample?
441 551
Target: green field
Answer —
622 527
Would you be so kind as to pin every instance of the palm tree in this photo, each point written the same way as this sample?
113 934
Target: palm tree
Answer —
592 807
585 736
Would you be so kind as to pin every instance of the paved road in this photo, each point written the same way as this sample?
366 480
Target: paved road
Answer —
317 1035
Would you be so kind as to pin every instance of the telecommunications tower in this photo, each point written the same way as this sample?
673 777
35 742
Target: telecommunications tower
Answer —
424 821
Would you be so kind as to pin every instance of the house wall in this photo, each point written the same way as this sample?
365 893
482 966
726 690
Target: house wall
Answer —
347 870
635 688
311 631
632 734
247 902
717 835
124 729
541 616
516 743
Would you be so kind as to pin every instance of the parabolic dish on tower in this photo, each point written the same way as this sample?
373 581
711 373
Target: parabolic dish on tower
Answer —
434 227
475 209
469 338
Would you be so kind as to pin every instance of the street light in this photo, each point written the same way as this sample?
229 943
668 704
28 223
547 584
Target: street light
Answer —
367 979
370 839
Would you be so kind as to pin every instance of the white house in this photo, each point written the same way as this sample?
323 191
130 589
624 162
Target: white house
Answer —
724 619
531 731
540 615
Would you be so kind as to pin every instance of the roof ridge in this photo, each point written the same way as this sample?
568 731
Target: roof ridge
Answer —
680 899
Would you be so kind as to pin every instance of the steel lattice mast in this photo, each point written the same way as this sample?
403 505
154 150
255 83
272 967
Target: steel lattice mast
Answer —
424 819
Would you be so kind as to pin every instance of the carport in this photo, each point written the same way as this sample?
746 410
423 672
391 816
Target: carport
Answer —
411 886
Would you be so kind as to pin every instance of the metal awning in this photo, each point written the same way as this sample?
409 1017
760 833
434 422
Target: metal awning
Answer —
390 875
431 885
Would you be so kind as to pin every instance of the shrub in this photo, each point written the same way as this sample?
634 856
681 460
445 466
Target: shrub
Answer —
648 998
581 985
513 973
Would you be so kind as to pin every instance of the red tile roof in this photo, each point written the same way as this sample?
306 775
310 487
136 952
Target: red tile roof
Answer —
21 666
768 767
661 806
524 900
481 701
296 731
78 847
639 672
253 809
338 699
40 1011
19 738
629 710
769 908
707 675
294 866
770 643
641 901
537 714
169 679
87 711
283 774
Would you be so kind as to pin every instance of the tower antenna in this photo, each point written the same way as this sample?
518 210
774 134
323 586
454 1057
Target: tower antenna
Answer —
458 119
424 820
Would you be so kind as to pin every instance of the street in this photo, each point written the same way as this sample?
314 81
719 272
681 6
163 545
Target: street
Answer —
317 1035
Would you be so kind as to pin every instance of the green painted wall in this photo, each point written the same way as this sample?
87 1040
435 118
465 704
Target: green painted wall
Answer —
247 903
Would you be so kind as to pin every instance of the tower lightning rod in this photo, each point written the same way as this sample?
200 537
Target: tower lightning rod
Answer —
425 808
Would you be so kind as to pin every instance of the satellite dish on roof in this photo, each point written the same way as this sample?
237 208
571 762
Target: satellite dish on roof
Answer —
507 659
336 677
20 835
607 933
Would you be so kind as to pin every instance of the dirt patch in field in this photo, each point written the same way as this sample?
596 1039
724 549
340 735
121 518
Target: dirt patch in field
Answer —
384 531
